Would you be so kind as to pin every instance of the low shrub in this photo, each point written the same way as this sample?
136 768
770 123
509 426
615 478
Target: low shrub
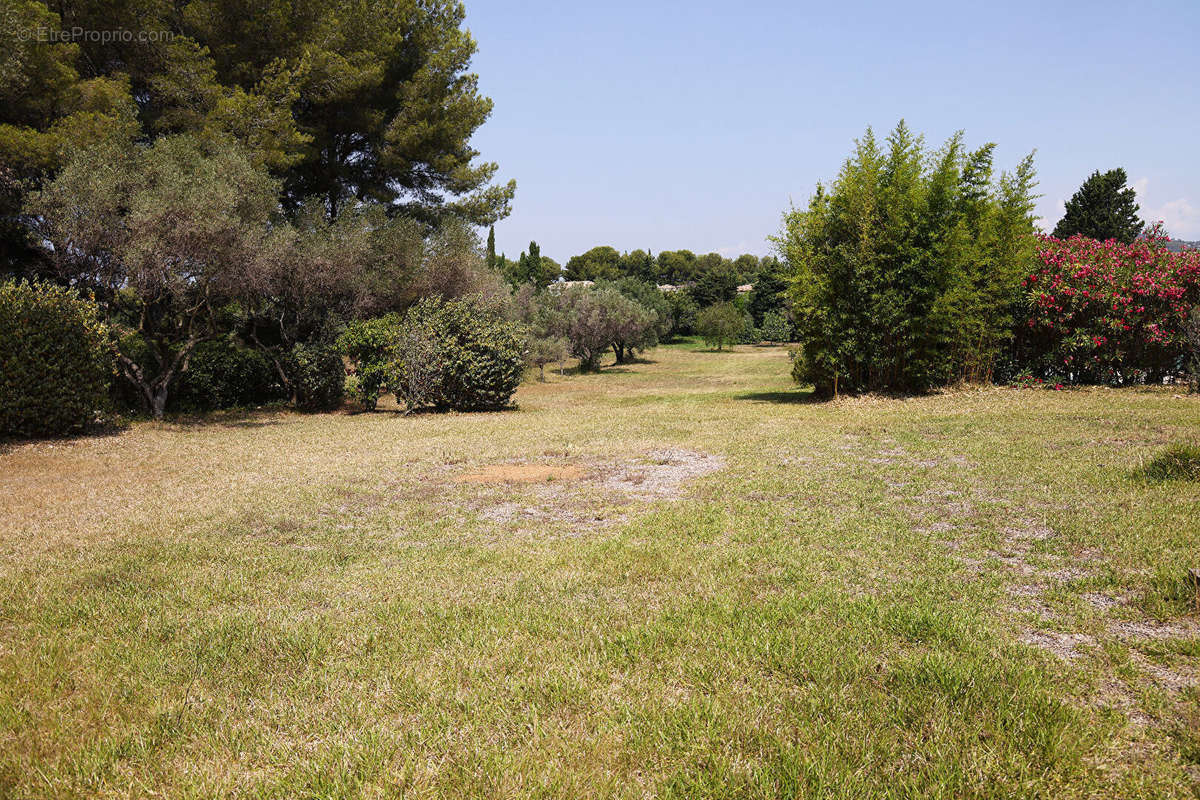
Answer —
1176 462
318 376
225 374
56 362
458 354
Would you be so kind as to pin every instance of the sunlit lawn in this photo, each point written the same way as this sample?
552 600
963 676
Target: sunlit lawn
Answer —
711 585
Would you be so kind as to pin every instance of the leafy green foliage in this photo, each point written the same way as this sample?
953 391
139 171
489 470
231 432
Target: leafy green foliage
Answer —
55 360
750 334
769 294
599 263
720 325
907 268
532 267
776 327
545 327
651 298
683 312
597 318
458 354
368 345
345 102
166 236
317 375
1103 208
717 282
224 373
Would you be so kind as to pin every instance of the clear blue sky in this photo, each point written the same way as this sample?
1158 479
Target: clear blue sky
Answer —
693 125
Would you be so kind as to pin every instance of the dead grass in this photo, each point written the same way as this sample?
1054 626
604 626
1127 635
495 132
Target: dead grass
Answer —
684 579
520 473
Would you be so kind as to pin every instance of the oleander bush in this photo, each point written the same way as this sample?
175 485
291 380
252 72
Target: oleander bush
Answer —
56 362
1106 312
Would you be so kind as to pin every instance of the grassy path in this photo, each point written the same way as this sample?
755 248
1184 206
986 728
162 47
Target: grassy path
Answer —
677 579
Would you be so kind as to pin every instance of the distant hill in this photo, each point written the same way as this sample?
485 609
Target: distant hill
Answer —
1175 245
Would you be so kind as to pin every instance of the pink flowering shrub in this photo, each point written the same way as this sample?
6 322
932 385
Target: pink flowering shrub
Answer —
1105 312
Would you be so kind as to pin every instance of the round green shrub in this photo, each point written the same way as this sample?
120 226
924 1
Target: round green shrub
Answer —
225 374
56 363
776 327
458 354
318 377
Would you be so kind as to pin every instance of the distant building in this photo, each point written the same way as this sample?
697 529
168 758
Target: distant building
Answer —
559 285
668 287
745 287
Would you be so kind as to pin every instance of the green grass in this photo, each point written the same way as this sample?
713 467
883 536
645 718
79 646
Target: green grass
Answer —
866 600
1177 462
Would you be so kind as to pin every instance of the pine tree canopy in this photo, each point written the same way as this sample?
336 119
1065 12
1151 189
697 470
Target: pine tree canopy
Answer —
1103 208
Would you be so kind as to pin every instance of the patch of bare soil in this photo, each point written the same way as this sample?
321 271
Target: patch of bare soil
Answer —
582 496
521 473
662 473
1033 578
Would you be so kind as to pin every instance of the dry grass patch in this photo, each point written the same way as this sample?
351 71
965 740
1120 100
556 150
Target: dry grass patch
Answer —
521 473
680 579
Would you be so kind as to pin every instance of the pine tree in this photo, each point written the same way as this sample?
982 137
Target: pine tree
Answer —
491 247
1103 208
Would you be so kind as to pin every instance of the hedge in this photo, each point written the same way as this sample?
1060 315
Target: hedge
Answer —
56 363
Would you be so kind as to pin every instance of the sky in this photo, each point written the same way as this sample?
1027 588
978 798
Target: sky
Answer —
663 126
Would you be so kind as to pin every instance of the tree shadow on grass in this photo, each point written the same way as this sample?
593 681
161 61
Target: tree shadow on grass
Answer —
265 417
791 397
103 431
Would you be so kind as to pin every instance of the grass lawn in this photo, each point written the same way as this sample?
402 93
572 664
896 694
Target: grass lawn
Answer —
680 578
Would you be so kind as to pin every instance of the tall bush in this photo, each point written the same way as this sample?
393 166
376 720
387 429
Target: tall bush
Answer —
458 354
56 362
907 267
317 375
368 345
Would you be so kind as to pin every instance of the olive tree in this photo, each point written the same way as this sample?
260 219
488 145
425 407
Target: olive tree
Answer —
595 319
720 324
165 236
